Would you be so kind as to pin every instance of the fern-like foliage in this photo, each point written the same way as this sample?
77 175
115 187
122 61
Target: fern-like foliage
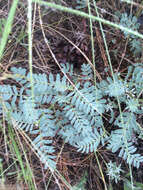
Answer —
112 88
129 21
75 113
122 139
81 4
113 171
132 23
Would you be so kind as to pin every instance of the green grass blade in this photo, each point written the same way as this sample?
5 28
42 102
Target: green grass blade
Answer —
29 15
8 27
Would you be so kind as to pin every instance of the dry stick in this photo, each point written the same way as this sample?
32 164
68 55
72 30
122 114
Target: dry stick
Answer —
124 58
123 55
40 55
103 54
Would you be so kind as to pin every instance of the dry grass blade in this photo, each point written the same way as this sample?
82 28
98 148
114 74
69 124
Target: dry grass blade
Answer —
11 187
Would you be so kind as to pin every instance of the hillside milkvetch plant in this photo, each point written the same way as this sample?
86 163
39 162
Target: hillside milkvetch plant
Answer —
76 115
